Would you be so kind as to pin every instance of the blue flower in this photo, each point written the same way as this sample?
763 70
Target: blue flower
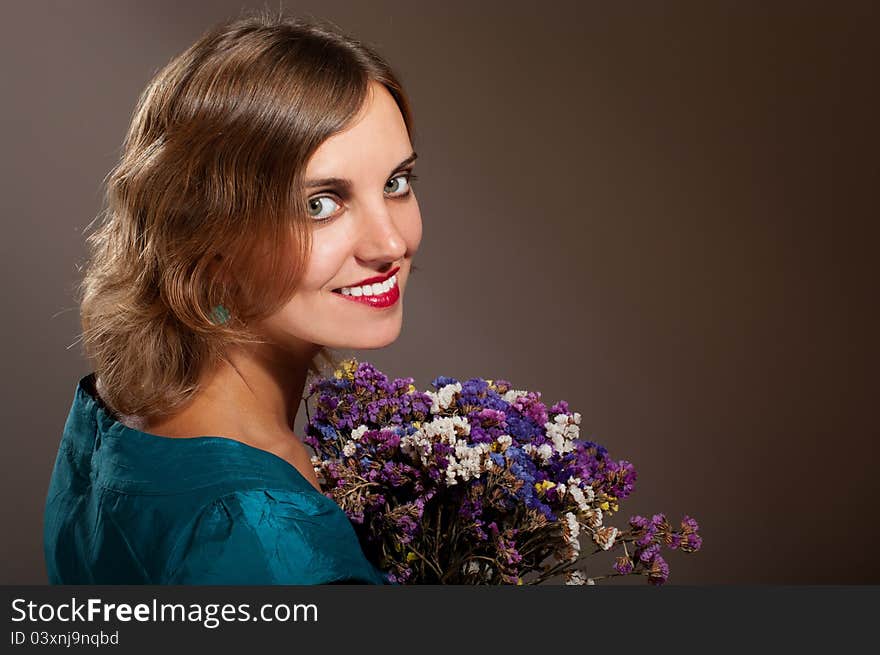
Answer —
521 428
441 381
327 432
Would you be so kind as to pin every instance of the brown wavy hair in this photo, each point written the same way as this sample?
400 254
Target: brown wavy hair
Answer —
206 205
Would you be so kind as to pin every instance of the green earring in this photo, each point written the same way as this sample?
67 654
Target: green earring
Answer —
219 314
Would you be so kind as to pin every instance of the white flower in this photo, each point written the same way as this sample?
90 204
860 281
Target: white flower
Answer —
349 449
513 394
575 578
574 528
605 537
447 428
318 466
504 440
578 494
467 462
562 432
545 452
358 432
571 531
442 398
444 429
594 517
417 445
583 497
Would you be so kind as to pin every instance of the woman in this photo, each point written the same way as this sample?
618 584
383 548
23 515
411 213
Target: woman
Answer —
260 215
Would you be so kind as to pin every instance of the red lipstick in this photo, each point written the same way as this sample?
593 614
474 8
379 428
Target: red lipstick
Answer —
377 300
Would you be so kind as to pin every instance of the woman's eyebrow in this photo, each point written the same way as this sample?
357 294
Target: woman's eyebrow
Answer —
347 184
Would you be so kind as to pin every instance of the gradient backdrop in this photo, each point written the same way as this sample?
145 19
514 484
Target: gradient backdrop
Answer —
665 213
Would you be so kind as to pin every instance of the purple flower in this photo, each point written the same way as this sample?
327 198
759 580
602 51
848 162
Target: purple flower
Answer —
559 408
689 525
531 407
470 508
648 536
623 565
638 522
650 552
620 478
691 543
659 571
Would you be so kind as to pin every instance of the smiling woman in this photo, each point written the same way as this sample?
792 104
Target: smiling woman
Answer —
262 213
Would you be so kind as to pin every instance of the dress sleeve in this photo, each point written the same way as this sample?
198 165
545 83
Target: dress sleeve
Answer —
271 537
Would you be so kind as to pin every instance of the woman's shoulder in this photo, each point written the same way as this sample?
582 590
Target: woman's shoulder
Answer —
122 457
188 511
266 535
267 504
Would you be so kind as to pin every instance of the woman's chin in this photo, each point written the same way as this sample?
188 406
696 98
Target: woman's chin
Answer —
370 344
367 339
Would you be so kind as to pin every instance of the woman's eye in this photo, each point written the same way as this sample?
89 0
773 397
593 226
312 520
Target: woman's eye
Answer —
318 207
323 208
399 185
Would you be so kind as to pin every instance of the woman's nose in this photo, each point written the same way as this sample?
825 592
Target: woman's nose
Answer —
380 239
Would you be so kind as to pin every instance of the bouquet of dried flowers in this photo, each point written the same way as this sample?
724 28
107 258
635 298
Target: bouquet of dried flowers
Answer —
476 482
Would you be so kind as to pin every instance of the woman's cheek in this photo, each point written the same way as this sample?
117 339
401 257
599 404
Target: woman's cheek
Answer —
330 248
413 233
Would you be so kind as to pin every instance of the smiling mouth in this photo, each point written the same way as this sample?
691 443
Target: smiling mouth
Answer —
372 286
378 295
374 289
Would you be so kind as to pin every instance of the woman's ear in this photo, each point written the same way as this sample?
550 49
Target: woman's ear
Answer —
219 273
223 287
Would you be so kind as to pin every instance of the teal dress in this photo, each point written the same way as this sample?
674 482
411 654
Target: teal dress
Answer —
129 507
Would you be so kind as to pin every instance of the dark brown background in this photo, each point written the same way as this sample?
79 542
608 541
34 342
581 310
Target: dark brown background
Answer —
664 213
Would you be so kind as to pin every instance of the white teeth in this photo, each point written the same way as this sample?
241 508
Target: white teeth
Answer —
370 289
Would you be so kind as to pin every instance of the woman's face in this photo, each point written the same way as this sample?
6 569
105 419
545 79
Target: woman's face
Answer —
366 225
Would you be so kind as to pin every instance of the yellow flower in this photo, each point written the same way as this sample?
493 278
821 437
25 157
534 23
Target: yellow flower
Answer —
346 369
410 556
417 424
604 505
411 388
543 486
519 581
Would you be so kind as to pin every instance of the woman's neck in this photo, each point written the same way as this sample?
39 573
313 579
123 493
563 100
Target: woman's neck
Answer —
253 398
